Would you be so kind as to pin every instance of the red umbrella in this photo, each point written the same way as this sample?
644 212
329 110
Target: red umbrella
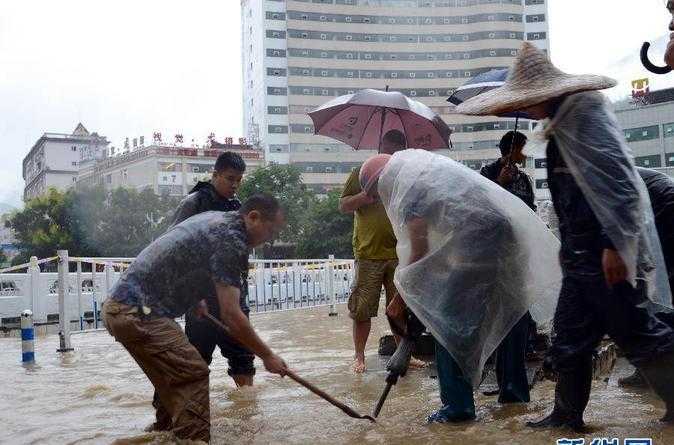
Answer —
363 118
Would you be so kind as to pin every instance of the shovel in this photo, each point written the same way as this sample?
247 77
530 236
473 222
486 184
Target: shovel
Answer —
346 409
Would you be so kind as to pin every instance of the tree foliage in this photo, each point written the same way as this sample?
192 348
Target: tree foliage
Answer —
284 182
326 231
90 222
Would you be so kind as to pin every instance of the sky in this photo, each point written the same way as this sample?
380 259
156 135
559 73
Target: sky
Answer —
126 68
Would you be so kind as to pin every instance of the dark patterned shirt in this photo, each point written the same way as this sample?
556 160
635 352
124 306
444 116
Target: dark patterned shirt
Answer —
180 268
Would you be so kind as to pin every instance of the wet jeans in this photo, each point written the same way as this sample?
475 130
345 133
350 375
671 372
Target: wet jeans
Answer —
174 367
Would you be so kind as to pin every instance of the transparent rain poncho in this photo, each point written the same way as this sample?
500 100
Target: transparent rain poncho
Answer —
594 149
489 258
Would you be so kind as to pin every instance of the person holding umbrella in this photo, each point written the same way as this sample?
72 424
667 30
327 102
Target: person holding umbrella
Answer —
388 122
610 254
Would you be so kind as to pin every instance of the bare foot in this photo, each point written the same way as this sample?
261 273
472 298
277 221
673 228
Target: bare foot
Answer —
415 363
359 366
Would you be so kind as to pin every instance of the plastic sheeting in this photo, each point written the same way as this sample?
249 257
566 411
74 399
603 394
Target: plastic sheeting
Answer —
594 149
490 258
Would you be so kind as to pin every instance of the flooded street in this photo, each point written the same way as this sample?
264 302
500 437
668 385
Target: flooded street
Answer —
98 395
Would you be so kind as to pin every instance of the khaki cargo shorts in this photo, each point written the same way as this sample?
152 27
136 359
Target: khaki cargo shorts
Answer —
370 276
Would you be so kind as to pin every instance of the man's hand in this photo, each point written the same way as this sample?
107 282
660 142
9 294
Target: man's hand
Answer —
669 52
615 270
396 314
275 364
201 309
349 204
506 175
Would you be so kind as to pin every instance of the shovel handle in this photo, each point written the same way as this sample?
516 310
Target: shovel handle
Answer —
325 396
320 393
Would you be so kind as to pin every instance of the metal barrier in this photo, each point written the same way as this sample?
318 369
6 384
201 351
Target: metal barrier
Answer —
273 285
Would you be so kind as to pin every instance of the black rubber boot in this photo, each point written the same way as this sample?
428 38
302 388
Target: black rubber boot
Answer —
636 380
572 393
658 374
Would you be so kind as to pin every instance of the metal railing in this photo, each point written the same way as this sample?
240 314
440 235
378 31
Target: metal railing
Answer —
273 285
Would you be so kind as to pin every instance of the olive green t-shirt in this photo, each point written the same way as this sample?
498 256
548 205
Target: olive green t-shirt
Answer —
373 237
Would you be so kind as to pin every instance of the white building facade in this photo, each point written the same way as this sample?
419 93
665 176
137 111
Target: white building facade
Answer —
55 159
166 169
298 54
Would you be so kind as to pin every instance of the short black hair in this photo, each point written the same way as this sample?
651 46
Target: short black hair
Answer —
509 140
231 160
264 203
396 137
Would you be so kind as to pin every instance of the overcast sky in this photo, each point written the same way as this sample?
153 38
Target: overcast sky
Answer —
125 68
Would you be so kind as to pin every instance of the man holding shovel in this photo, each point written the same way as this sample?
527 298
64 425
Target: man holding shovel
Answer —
206 254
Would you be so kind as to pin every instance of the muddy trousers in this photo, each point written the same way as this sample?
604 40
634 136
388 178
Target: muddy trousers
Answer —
587 310
174 367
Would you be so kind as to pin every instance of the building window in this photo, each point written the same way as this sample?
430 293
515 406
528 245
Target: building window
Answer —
349 56
368 56
394 75
413 93
348 19
73 148
348 37
368 75
324 73
430 75
324 36
74 163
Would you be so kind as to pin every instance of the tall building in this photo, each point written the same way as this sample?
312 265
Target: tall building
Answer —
166 169
54 159
298 54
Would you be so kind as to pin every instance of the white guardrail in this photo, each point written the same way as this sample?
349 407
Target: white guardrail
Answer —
273 285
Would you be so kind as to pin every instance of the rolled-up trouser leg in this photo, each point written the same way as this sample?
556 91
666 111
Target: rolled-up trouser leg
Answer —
511 368
456 393
173 365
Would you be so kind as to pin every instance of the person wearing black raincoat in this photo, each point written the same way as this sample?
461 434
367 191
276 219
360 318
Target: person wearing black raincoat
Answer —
610 253
661 193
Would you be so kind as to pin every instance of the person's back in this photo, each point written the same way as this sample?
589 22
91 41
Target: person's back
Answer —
174 272
661 192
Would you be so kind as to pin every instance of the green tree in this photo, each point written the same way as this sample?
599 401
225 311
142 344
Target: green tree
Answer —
91 222
285 183
124 222
326 230
43 226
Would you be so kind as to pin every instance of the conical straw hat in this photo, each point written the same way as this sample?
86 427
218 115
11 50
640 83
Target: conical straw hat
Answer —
533 79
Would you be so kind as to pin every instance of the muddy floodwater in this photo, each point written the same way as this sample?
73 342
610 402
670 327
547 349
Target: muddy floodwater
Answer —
98 395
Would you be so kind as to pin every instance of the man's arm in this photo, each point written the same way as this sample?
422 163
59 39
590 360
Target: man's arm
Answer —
187 207
418 233
349 204
242 331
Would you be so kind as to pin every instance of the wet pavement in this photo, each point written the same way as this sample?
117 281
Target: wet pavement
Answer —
98 395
